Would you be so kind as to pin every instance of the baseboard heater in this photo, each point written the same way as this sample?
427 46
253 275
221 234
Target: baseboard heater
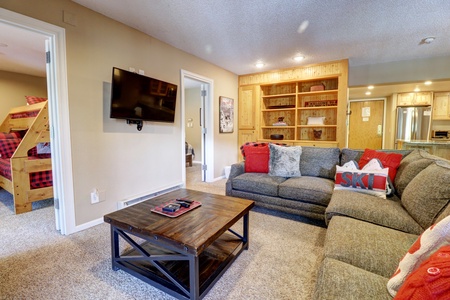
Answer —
133 201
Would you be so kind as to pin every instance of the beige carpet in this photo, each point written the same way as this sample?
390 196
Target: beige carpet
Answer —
36 262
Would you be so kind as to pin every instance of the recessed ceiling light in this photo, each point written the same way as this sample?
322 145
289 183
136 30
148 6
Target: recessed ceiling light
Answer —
368 93
260 64
428 40
428 82
298 57
370 87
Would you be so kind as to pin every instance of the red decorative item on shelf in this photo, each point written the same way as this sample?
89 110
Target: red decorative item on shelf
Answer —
318 87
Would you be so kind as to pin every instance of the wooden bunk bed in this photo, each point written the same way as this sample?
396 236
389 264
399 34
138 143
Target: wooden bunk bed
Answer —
29 177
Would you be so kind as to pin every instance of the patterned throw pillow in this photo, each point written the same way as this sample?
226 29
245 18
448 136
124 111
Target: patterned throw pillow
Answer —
371 179
431 280
284 161
427 243
8 147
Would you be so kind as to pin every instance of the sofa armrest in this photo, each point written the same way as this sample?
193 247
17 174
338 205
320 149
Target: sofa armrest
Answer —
236 170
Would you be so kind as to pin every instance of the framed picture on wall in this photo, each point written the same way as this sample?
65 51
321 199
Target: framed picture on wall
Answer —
226 115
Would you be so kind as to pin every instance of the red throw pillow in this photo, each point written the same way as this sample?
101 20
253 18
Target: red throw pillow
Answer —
389 160
257 158
430 280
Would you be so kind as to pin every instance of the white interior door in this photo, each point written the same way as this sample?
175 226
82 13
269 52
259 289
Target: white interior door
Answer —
206 122
58 114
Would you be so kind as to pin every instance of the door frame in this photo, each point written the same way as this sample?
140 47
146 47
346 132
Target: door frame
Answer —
58 101
366 100
208 142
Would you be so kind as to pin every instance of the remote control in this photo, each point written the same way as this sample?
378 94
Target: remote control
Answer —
172 207
185 200
184 204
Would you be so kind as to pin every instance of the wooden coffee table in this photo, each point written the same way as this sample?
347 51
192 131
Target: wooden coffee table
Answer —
183 256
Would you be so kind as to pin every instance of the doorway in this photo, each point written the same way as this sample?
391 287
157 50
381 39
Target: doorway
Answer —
57 94
197 121
366 124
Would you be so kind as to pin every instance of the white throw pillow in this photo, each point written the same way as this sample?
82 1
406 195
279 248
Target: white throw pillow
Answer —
284 161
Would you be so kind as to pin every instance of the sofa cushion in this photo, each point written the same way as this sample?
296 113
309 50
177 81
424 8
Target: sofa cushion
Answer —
257 158
410 166
427 243
258 183
388 160
339 280
306 188
284 161
367 246
427 195
319 162
444 213
384 212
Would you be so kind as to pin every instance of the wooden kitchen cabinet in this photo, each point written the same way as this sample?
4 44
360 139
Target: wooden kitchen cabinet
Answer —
248 98
245 136
441 106
418 98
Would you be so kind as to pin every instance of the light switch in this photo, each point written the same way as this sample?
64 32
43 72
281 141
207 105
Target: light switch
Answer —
380 130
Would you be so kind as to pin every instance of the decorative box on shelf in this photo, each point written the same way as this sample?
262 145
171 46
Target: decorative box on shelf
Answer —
318 87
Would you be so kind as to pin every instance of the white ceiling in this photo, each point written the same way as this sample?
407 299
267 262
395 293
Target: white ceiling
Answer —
21 51
235 34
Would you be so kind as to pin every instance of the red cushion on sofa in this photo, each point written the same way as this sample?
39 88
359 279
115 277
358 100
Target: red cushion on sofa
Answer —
430 280
257 158
389 160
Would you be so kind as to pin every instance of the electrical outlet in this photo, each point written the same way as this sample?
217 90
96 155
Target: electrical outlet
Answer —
95 197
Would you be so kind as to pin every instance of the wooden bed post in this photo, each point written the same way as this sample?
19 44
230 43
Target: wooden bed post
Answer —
21 184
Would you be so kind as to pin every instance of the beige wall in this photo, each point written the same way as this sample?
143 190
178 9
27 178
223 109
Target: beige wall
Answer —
14 87
108 154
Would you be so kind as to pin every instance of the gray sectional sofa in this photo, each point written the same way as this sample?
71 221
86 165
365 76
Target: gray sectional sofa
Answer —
366 236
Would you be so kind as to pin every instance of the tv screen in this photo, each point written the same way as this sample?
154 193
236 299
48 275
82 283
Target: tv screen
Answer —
138 97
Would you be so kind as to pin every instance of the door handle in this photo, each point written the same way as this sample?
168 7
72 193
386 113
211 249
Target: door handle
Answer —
200 113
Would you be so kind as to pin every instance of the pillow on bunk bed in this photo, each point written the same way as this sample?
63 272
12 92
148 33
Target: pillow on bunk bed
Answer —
34 99
8 147
11 135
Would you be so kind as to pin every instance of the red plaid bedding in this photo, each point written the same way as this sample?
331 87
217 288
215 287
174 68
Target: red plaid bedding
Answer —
29 114
37 180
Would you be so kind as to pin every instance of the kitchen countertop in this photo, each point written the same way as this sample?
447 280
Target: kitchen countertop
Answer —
445 142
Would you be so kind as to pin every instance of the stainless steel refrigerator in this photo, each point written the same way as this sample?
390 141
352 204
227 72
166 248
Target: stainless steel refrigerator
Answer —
413 123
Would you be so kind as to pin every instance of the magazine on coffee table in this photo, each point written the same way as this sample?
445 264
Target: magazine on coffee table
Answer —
176 207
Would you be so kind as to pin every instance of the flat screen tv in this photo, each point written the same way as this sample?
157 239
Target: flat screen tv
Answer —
138 97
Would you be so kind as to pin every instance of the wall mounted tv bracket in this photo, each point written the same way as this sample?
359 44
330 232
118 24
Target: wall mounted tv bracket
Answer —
139 123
